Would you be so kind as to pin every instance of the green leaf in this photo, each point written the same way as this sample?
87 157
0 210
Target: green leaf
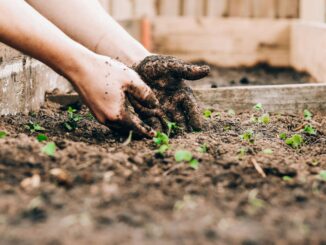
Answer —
162 149
322 175
242 152
268 151
287 178
3 134
42 137
194 163
182 155
49 149
295 141
310 130
203 148
307 115
161 139
172 127
283 136
68 126
207 113
248 136
258 107
265 119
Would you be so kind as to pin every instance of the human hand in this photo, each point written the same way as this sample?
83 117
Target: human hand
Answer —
105 84
166 75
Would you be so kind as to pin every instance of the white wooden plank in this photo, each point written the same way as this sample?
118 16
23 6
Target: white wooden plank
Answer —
169 7
288 8
264 8
144 8
308 53
313 10
193 8
217 8
240 8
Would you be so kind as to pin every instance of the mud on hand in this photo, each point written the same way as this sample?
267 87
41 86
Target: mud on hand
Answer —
166 76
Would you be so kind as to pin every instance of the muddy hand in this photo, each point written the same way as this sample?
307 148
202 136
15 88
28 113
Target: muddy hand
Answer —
166 75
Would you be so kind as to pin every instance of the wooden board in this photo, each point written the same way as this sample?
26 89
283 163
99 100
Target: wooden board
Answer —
264 8
224 42
308 48
144 8
169 8
240 8
192 7
313 10
217 8
278 99
288 8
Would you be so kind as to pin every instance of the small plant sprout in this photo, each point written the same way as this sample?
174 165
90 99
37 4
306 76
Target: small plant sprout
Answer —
322 175
73 119
310 130
307 115
258 107
264 119
49 149
248 136
35 127
172 127
90 116
268 151
295 141
207 113
283 136
231 112
3 134
41 138
287 178
242 152
161 139
162 149
186 156
203 148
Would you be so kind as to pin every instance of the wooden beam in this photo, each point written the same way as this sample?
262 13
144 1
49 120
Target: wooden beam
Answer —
169 8
264 8
193 7
308 53
144 8
217 8
277 98
288 8
240 8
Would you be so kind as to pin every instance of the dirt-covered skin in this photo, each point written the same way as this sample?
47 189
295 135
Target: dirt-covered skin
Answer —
110 193
166 75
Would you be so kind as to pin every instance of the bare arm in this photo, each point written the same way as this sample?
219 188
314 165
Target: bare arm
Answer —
87 22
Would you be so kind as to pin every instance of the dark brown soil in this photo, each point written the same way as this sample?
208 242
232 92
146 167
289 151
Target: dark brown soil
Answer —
252 76
108 193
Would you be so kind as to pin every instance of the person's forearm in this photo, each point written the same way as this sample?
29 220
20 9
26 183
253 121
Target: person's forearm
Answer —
87 22
26 30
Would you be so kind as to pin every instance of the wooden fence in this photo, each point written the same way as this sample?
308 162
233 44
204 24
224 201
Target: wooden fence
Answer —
128 9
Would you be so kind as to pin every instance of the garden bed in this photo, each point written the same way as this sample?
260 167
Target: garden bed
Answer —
97 189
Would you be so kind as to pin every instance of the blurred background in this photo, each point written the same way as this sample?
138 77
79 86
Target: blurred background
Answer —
129 9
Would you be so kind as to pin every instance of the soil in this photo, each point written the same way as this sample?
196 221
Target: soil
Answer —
261 74
97 190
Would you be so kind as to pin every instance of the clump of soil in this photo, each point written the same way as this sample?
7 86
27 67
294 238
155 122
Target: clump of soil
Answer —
96 190
261 74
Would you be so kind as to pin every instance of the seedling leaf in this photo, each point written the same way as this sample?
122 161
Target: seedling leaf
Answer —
287 178
3 134
248 136
161 139
283 136
182 155
41 138
307 115
172 127
203 148
258 107
207 113
268 151
310 130
295 141
264 119
194 163
322 175
49 149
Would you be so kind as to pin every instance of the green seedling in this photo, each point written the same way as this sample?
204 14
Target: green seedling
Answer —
73 119
287 178
162 149
35 127
186 156
283 136
268 151
258 107
90 116
310 130
207 113
231 112
248 136
264 119
253 119
172 127
322 175
41 138
242 152
307 115
3 134
295 141
203 148
161 139
49 149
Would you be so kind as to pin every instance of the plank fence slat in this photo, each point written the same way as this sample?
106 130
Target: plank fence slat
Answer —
264 8
313 10
144 8
288 8
217 8
169 7
240 8
192 8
